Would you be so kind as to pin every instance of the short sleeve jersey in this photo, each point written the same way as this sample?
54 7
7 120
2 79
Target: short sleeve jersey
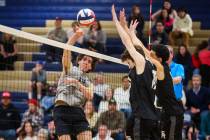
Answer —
69 93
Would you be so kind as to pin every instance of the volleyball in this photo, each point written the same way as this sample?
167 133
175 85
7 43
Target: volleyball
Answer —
86 17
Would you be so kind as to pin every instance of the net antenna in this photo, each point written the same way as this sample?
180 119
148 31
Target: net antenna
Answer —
57 44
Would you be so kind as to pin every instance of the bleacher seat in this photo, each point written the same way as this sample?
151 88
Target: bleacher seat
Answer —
49 9
21 106
111 68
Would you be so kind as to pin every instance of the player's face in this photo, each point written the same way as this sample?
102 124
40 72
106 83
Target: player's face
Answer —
196 81
130 63
85 63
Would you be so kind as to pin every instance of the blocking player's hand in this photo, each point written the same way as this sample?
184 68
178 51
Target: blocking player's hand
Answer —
114 15
133 25
123 18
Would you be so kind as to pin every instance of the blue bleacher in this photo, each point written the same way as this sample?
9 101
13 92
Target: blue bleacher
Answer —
35 12
40 56
21 106
99 67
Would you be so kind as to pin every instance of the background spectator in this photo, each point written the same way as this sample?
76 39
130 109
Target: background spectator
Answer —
100 87
114 120
8 52
27 132
42 134
95 38
103 106
137 15
166 5
9 117
38 81
167 20
122 95
183 57
51 129
47 102
90 114
205 123
177 73
195 57
160 36
103 133
204 56
197 99
33 114
182 28
57 34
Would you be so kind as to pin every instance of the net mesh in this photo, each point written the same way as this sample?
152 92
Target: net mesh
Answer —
18 60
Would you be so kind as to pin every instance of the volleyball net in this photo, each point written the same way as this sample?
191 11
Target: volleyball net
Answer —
29 49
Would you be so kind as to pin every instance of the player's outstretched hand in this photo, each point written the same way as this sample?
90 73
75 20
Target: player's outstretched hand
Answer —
133 25
122 18
114 15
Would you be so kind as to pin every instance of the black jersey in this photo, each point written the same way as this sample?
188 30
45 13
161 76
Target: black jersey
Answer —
166 95
142 92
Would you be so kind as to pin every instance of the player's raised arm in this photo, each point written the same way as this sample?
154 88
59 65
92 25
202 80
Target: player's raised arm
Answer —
137 42
66 59
137 57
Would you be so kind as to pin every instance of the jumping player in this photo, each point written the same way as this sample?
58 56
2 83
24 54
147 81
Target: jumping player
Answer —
74 88
172 113
143 84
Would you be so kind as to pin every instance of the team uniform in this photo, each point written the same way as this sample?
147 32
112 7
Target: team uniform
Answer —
142 97
69 116
172 113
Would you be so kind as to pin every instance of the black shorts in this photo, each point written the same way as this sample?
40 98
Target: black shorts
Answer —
171 127
70 120
149 129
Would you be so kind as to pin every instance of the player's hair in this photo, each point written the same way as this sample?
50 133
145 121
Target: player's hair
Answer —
161 51
75 23
93 64
125 77
126 55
